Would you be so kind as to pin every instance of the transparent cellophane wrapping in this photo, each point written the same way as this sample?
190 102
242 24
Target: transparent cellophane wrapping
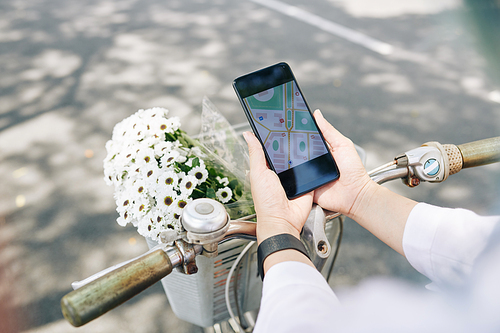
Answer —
199 298
221 140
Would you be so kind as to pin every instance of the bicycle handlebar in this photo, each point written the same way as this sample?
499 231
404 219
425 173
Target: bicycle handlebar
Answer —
107 292
472 154
480 152
434 162
98 297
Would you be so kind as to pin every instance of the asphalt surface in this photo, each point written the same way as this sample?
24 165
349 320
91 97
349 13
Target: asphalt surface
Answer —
69 71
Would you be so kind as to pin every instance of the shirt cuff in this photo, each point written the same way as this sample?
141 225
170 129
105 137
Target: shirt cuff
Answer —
295 298
418 237
297 274
444 243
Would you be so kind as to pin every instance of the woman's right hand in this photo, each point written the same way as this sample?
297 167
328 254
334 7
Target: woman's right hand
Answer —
379 210
344 194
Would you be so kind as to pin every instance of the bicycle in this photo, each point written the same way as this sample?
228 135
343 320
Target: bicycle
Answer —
210 232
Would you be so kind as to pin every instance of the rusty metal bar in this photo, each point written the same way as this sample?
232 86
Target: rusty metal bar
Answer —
98 297
480 152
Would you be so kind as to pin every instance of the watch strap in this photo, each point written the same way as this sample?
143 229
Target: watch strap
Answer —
277 243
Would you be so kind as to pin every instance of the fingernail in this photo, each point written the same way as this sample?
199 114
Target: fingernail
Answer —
245 136
319 112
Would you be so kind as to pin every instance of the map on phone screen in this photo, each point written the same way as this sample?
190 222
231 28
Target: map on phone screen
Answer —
285 126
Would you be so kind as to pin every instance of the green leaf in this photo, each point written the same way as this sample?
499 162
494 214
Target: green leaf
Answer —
198 193
169 137
212 172
196 162
211 193
181 166
233 183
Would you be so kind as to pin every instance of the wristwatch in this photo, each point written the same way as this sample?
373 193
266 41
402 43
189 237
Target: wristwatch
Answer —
277 243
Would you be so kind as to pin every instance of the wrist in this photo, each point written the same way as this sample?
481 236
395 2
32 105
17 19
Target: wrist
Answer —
273 228
383 213
280 248
286 255
361 206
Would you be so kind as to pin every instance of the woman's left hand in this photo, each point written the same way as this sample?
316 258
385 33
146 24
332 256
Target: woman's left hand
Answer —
276 214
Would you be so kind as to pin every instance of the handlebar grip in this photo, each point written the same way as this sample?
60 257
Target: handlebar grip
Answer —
480 152
98 297
455 159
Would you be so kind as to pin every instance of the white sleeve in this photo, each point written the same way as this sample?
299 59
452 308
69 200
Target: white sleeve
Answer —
295 298
443 243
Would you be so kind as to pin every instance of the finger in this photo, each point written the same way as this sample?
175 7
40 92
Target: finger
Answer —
329 132
257 158
306 199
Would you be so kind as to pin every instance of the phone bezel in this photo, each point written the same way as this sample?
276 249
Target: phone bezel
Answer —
270 77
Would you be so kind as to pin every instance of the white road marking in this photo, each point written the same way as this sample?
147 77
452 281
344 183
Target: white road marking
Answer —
328 26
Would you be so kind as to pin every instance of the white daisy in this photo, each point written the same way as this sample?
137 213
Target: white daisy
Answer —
223 181
181 159
123 200
224 194
175 217
110 149
145 156
166 199
150 173
151 190
145 228
167 178
172 218
169 158
130 173
155 113
127 156
188 184
109 173
200 173
189 162
141 208
156 217
162 147
123 129
163 125
182 201
152 224
139 189
124 218
173 125
139 129
152 139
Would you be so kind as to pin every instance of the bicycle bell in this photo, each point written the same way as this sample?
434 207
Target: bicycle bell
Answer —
205 221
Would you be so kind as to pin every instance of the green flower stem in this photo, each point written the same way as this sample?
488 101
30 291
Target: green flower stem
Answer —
197 190
170 137
189 140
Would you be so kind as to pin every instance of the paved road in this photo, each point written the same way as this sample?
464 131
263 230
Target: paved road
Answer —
71 70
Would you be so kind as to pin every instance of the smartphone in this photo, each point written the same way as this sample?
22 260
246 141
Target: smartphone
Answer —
282 121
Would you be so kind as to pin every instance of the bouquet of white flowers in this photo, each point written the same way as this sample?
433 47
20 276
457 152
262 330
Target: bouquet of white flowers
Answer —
157 169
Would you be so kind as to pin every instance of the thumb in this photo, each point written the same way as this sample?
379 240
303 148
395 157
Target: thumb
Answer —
257 158
331 135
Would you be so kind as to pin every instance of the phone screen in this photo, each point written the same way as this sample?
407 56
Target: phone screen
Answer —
285 126
281 119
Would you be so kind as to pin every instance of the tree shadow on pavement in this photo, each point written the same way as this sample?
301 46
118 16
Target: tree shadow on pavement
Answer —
72 70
